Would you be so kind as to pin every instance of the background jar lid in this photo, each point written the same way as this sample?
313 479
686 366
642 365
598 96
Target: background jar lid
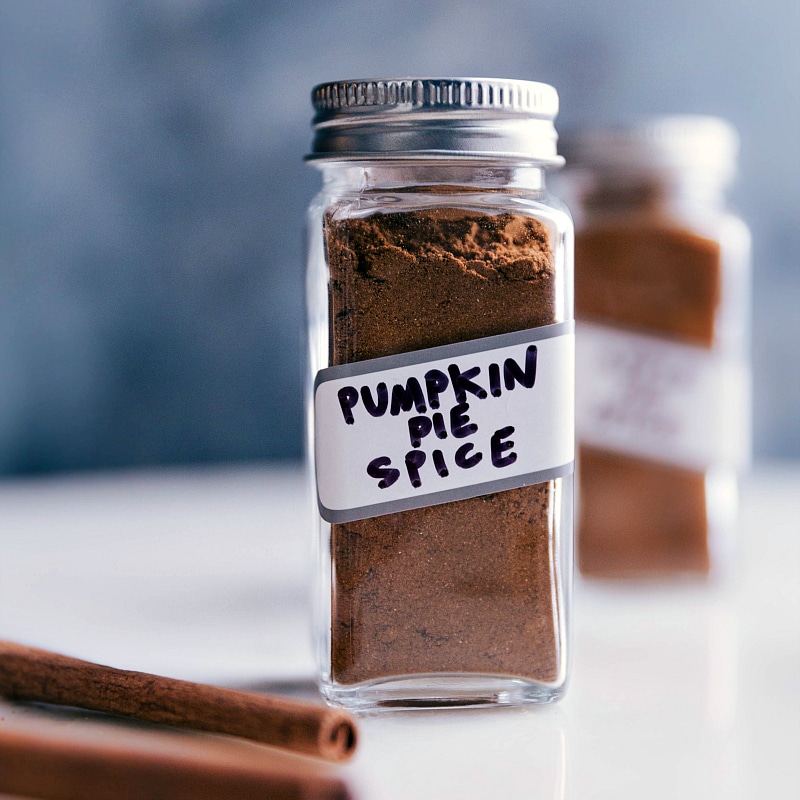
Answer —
436 118
697 143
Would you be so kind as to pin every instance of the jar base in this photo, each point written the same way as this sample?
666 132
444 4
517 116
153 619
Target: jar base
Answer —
437 691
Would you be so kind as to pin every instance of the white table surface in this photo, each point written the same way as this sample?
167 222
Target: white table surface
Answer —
689 691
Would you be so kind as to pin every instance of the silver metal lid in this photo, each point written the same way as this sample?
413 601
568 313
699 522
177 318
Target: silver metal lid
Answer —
436 118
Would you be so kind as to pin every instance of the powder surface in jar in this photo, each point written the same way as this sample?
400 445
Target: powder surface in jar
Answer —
639 517
464 587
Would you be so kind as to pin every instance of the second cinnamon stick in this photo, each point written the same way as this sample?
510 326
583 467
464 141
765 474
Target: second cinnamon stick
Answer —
53 767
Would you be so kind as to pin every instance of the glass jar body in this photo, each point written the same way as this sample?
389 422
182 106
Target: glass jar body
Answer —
663 407
457 602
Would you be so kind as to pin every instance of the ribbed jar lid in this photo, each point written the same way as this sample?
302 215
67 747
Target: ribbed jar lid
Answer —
436 118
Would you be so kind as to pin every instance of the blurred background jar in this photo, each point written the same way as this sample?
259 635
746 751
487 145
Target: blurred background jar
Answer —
662 298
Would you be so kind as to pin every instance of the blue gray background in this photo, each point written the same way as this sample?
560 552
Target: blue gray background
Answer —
152 193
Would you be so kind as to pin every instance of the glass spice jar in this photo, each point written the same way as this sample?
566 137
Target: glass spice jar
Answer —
440 402
662 297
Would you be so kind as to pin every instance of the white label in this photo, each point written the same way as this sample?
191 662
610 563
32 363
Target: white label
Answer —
659 399
444 424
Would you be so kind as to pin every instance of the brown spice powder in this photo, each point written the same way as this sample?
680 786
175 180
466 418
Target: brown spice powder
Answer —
637 517
464 587
656 278
640 517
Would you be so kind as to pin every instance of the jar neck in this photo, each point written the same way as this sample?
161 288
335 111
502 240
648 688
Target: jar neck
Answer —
368 176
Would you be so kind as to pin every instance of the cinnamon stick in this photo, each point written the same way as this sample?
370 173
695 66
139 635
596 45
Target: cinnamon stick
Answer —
52 768
31 674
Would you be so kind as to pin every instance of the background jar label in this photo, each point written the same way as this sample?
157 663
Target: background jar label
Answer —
444 424
660 399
